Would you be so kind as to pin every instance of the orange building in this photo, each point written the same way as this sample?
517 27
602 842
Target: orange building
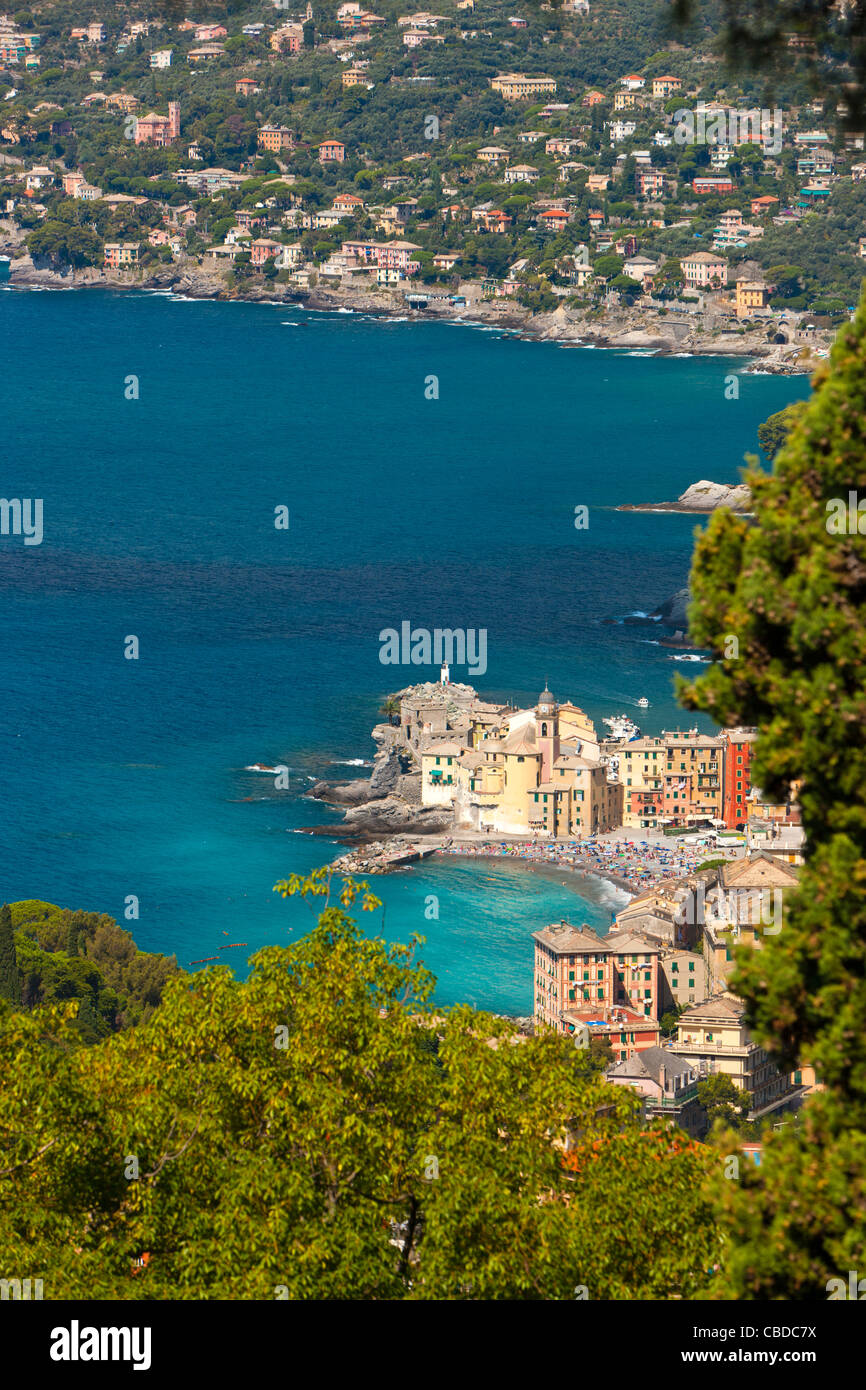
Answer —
276 138
119 254
577 970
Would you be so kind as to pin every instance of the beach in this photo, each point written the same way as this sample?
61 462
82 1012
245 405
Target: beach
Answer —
632 865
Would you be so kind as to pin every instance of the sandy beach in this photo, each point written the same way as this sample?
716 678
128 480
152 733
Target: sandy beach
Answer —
632 865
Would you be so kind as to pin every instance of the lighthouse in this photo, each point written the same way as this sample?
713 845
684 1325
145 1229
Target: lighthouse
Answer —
444 674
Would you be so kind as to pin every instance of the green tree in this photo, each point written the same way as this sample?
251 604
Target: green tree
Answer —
390 707
776 428
322 1128
724 1101
792 587
10 984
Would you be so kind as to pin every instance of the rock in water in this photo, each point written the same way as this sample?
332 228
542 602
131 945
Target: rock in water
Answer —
706 496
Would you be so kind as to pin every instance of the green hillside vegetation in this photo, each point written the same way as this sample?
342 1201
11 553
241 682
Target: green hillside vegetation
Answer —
387 136
86 956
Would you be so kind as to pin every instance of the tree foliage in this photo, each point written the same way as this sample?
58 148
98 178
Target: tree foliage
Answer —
792 587
321 1130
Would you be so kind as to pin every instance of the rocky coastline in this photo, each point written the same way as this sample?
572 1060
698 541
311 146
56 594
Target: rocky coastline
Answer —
700 499
621 329
388 802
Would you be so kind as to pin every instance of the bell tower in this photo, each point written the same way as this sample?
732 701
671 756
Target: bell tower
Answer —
547 732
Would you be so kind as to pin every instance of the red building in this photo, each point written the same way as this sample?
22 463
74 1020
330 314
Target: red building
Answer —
737 776
721 183
624 1030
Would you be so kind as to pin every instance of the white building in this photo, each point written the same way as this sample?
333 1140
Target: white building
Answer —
161 58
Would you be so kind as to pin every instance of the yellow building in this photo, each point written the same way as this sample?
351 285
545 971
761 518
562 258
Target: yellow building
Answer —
516 86
751 295
713 1038
742 903
674 779
439 772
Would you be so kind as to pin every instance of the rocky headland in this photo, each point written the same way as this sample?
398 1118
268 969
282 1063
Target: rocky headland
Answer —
701 499
388 803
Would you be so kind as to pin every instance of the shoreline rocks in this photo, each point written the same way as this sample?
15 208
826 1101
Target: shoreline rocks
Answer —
700 498
620 329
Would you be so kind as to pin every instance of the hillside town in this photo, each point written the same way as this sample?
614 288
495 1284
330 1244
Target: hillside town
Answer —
333 155
673 820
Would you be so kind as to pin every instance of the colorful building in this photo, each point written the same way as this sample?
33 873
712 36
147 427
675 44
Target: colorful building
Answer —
577 968
714 1040
275 138
332 151
121 254
704 269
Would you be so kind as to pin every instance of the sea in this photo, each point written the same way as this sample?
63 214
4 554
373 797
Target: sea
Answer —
167 635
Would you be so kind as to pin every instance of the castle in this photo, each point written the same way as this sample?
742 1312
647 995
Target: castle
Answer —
159 130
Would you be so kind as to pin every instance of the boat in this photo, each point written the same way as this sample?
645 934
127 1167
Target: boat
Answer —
621 727
5 267
643 702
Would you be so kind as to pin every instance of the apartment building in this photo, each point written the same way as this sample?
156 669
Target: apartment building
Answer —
675 779
516 86
713 1039
668 1086
575 968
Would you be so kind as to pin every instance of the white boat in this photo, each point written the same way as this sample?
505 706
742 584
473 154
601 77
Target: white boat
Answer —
643 702
621 727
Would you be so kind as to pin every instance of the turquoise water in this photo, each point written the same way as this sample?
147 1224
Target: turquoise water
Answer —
261 646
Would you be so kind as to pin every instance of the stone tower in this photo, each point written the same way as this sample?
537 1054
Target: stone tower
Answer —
547 732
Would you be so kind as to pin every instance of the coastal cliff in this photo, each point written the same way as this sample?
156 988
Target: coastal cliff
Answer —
389 801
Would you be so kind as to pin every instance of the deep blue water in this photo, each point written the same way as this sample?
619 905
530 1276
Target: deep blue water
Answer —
257 645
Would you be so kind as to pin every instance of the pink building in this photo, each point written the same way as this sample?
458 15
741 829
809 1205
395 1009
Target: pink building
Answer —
262 249
575 968
159 130
390 255
703 269
332 151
